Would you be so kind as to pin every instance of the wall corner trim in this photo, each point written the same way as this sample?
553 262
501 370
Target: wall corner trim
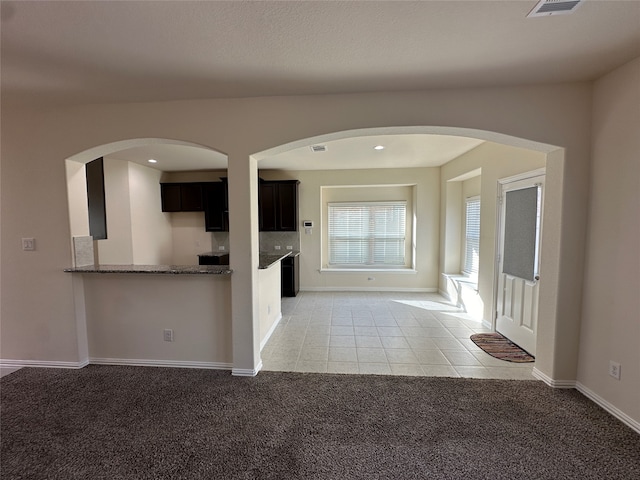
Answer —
552 382
246 372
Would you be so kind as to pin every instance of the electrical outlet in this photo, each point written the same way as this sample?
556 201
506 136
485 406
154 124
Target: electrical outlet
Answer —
28 244
168 335
277 247
221 248
289 247
614 369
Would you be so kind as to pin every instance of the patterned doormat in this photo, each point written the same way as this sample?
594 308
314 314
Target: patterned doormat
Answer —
501 347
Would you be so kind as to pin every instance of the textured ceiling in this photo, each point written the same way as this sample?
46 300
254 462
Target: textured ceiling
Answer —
125 51
59 52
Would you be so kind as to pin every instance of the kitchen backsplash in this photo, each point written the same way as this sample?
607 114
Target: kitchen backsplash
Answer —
268 241
219 239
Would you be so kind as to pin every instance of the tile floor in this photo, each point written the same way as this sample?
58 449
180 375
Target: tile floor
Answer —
381 333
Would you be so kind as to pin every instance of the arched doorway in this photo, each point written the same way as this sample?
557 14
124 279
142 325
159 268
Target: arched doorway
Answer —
553 156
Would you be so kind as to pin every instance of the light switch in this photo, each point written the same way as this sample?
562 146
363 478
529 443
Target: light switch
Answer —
28 244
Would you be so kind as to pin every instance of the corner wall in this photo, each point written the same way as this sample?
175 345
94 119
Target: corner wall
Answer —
610 328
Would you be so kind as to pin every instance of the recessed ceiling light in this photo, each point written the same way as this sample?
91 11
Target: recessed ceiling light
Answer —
151 160
379 147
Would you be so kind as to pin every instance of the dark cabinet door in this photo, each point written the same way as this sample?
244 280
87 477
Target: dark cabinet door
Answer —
216 215
191 198
287 201
278 206
182 197
171 197
267 206
290 276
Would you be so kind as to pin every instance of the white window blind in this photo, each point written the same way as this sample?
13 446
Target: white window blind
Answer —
367 233
472 236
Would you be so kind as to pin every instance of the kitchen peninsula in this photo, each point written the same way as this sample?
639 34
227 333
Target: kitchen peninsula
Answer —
167 315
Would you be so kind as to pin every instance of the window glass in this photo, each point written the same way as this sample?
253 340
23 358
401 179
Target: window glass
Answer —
367 233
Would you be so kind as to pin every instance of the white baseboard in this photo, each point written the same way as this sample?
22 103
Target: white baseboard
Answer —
444 294
594 397
616 412
246 372
136 362
369 289
270 332
5 362
551 382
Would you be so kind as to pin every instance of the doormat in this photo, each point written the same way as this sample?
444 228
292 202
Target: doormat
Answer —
501 347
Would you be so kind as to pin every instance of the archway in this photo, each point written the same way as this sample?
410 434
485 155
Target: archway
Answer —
139 232
554 156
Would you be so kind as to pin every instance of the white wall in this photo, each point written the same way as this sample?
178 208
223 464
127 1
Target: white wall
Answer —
138 232
77 193
38 316
497 161
151 235
270 301
117 248
611 307
126 316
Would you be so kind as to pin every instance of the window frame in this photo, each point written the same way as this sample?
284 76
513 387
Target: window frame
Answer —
467 267
371 242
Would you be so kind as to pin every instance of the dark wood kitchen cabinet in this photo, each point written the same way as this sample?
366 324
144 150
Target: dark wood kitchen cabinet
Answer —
278 205
182 197
216 206
290 276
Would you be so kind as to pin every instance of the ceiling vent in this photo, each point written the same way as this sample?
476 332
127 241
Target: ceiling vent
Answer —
318 148
544 8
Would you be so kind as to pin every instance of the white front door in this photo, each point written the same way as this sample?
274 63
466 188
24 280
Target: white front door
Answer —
518 276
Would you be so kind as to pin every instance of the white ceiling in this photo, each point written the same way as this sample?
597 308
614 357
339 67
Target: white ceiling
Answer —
76 52
401 151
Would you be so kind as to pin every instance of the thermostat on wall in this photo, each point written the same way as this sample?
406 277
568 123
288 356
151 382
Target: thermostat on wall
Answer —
307 224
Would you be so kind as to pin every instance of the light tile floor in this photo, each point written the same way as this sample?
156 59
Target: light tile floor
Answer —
419 334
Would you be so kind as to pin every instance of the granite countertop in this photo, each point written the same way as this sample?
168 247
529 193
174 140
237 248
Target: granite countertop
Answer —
155 269
265 261
268 259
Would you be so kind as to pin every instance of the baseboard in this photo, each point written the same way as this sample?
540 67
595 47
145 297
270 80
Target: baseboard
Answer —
270 332
444 294
42 363
551 382
616 412
246 372
135 362
369 289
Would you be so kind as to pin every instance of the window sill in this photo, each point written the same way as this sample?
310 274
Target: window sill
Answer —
369 270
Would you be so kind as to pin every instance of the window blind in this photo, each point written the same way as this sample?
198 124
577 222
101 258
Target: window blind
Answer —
472 236
367 233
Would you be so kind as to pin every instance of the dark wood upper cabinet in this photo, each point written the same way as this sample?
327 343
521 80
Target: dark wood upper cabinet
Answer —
191 197
182 197
216 210
96 203
278 205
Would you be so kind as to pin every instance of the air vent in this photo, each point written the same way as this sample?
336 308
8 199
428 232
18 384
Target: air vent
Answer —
544 8
318 148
